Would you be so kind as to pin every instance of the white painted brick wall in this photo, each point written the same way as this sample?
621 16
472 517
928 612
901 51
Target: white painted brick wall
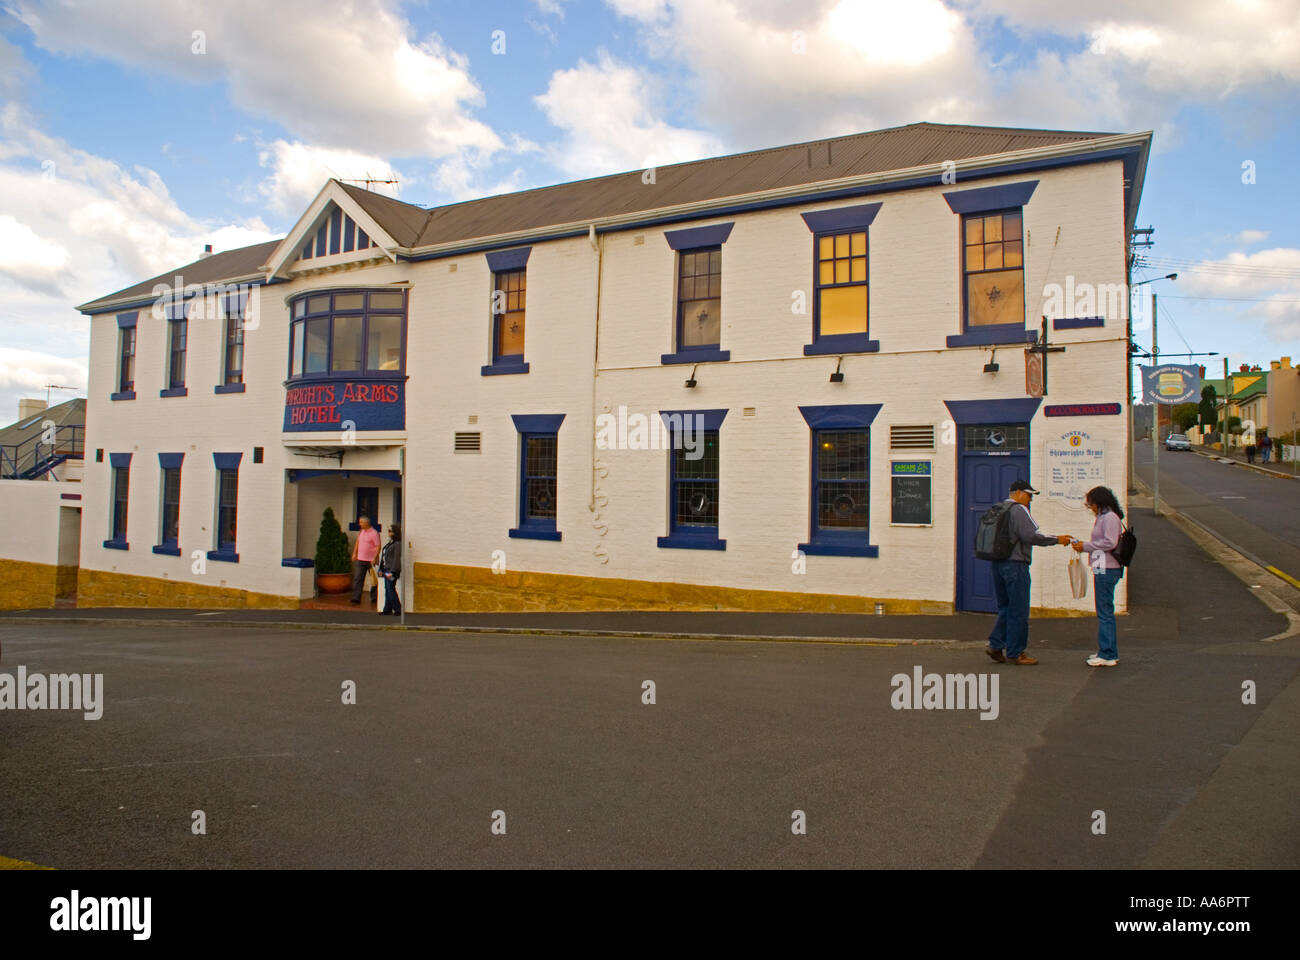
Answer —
459 507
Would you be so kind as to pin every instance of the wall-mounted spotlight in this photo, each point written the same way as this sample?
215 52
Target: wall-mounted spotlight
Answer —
991 366
690 384
837 377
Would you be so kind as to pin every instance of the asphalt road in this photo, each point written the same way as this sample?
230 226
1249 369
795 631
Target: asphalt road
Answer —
248 725
1257 512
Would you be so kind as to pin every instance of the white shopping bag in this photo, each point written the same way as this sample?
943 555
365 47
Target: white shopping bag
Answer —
1078 577
379 591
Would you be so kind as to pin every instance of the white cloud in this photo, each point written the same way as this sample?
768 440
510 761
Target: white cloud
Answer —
644 10
1271 277
76 227
1252 237
25 372
13 67
553 7
608 114
334 72
1089 65
30 259
299 170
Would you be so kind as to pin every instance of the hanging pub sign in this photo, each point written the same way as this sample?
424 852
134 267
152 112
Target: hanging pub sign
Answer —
342 405
1171 383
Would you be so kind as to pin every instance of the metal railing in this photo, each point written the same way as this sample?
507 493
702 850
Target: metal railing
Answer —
36 456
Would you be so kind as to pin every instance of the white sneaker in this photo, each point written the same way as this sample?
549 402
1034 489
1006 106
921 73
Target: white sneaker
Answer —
1096 661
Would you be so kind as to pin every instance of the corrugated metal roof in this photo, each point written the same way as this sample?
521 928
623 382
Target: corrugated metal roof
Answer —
220 267
879 151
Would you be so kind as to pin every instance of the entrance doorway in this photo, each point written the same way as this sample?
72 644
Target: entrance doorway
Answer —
992 457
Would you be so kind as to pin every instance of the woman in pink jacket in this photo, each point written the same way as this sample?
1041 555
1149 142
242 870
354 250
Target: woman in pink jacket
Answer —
1106 570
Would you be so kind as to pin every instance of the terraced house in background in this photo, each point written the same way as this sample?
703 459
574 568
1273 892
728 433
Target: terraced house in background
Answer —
782 380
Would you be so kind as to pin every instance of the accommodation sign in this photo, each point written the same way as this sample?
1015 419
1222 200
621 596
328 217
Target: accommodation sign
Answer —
1081 409
1075 464
345 405
1171 383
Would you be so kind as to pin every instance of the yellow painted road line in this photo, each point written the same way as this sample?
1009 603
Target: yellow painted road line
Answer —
1285 576
9 864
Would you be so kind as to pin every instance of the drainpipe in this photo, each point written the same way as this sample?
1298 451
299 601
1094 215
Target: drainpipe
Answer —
595 360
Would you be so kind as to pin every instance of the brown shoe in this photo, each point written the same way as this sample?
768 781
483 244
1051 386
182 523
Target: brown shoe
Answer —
997 655
1025 660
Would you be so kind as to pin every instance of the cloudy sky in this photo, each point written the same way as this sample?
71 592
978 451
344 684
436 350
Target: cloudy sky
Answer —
133 132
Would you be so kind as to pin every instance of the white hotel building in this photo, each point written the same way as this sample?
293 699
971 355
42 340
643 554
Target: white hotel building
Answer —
847 318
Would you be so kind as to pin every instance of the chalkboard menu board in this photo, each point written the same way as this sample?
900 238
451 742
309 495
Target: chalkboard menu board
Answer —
909 494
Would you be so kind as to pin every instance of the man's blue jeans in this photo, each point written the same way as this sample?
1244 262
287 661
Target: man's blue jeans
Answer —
1263 454
1103 589
1011 587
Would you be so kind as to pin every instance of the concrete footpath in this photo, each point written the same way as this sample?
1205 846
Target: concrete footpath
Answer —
1166 556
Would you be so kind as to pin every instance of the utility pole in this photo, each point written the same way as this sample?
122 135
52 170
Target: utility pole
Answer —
1155 412
1227 392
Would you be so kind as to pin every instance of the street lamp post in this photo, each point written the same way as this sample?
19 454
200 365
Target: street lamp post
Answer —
1155 410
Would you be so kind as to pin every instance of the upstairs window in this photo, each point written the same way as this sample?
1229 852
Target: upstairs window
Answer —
233 357
992 247
697 294
699 299
509 271
126 370
177 335
126 339
348 333
841 277
508 302
993 264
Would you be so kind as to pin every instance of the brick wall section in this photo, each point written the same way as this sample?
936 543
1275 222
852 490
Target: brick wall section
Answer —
95 588
28 586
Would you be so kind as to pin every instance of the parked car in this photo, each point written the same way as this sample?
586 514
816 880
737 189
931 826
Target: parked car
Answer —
1177 441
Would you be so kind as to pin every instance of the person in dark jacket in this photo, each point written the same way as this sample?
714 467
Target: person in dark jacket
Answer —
1265 448
390 570
1010 634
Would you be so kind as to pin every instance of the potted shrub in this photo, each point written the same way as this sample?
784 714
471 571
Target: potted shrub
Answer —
333 556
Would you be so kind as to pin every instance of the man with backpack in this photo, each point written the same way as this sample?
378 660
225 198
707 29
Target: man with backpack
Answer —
1007 535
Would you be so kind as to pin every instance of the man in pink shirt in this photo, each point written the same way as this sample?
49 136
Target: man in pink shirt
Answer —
364 552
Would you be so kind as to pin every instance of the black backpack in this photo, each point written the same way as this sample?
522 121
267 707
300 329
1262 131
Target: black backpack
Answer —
993 535
1127 546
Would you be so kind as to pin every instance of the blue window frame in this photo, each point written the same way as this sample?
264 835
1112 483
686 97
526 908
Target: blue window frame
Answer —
227 468
120 464
841 280
126 324
236 304
697 294
991 224
177 335
348 333
539 445
694 479
840 487
509 295
170 491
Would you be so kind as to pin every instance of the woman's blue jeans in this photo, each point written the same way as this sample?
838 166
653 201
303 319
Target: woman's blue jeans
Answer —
1103 589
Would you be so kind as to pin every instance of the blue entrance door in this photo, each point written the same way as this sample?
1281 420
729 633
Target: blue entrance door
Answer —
986 475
